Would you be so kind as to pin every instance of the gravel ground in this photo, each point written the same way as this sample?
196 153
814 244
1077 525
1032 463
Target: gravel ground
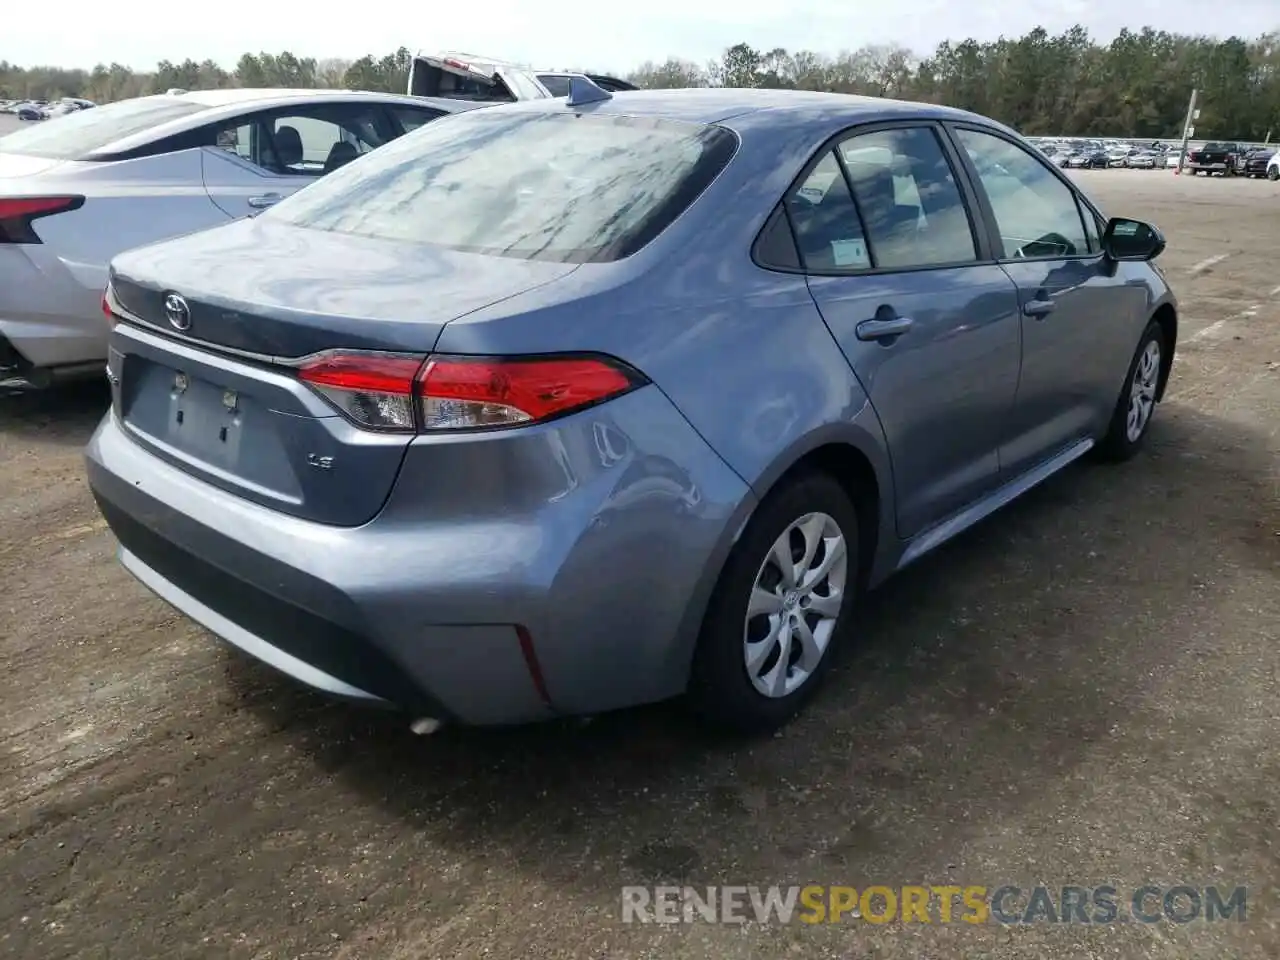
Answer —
1081 691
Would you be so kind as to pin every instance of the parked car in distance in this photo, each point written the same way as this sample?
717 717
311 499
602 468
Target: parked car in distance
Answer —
1255 162
62 108
30 111
76 192
436 433
1143 160
1089 158
1214 157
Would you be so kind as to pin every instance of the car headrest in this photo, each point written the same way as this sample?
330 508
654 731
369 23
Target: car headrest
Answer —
340 153
288 145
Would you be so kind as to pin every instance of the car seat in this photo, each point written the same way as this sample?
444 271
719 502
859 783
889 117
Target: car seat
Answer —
288 144
340 153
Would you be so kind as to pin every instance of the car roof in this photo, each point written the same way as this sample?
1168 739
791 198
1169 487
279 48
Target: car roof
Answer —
255 96
741 108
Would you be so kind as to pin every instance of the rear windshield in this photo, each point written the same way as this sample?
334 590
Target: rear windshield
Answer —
76 135
537 186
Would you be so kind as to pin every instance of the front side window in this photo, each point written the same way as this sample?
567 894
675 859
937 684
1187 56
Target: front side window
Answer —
1092 228
78 135
1036 212
546 186
911 206
306 142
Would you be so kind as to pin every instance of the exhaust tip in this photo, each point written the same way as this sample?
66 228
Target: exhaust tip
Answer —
425 726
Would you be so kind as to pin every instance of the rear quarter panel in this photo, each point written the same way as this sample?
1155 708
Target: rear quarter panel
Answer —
128 203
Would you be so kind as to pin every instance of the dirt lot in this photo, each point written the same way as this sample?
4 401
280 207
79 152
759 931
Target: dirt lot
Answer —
1083 691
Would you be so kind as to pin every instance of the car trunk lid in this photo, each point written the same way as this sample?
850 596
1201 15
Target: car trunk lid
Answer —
16 166
451 76
281 291
211 385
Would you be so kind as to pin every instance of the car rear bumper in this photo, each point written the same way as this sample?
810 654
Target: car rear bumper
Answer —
570 579
50 310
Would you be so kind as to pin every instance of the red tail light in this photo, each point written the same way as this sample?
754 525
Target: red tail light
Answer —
461 393
375 390
109 305
406 393
17 214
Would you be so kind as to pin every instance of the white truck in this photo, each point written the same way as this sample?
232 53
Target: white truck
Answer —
465 76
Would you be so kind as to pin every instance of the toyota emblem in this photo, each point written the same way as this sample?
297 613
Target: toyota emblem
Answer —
177 311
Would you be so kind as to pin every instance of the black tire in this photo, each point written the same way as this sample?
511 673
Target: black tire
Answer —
720 690
1273 173
1117 445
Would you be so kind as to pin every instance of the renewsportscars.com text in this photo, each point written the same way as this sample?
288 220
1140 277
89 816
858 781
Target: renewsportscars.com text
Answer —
974 904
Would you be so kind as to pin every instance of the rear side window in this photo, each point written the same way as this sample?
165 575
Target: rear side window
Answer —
411 118
535 186
78 135
827 229
556 85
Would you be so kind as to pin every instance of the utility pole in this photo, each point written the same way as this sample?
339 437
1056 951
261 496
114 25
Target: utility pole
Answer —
1188 129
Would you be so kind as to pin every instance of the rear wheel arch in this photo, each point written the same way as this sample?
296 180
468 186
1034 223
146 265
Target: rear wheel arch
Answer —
835 483
853 470
847 463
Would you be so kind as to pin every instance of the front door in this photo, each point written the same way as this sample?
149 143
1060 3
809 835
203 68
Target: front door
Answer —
1074 354
930 331
266 156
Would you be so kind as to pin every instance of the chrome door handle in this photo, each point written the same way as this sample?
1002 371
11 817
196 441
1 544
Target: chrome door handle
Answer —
883 329
1038 308
264 201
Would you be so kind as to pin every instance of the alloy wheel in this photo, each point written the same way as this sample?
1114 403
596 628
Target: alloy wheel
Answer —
794 605
1142 393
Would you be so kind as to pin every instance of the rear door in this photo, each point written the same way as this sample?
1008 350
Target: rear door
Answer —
1073 303
263 156
925 318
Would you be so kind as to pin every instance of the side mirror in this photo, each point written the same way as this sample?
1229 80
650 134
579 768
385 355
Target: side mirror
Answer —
1126 239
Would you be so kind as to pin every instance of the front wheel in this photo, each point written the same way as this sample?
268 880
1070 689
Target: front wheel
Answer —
1137 403
1273 173
779 608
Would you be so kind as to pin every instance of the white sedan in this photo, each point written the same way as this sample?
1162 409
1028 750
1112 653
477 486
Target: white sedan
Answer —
97 182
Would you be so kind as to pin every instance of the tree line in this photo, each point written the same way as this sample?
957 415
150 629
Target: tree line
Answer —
1135 86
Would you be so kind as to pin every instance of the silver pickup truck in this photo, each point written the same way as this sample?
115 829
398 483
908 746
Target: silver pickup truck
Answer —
465 76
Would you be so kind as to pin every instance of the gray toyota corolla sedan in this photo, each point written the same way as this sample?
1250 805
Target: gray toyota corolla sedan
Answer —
563 406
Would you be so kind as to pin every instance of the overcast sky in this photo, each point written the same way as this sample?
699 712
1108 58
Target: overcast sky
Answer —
606 35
